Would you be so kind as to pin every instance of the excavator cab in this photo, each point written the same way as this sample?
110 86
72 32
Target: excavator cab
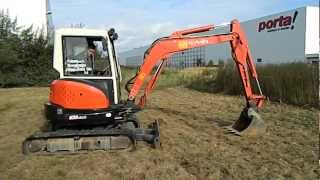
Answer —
89 78
90 57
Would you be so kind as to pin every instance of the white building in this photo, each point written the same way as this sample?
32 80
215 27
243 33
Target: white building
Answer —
30 12
289 36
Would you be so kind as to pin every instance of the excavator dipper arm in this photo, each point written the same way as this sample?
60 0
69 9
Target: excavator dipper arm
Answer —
178 41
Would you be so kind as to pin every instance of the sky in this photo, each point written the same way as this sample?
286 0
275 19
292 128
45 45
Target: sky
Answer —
25 16
139 22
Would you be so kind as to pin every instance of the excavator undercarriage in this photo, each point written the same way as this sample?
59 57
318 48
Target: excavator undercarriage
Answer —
124 133
68 141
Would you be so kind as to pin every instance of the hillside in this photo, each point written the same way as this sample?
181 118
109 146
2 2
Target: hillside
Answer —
194 144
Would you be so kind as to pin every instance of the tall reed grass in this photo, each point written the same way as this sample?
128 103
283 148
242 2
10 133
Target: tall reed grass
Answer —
294 83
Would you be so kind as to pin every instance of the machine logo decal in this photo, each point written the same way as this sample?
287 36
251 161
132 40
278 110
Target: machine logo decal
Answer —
182 44
198 42
278 24
192 43
77 117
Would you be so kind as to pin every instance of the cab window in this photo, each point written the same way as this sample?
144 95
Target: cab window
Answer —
86 56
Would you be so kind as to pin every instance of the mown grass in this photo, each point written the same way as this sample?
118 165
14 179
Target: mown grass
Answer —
194 145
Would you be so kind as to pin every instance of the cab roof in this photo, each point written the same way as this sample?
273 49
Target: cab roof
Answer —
80 32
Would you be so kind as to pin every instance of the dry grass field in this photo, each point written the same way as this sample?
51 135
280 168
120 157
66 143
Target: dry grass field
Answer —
194 146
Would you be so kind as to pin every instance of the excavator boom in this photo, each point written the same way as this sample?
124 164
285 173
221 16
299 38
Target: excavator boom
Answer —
178 41
163 48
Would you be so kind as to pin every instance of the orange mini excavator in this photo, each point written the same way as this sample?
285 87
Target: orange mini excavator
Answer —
85 111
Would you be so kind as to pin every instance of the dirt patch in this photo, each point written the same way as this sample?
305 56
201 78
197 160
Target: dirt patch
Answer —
194 144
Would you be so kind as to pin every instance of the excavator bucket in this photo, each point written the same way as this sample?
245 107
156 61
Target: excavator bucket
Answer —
249 124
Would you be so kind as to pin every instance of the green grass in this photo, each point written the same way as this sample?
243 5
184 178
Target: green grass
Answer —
191 77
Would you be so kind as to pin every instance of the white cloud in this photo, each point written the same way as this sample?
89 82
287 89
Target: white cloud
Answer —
141 26
131 36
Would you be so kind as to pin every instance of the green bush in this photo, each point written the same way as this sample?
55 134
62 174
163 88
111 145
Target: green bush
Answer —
168 77
204 81
25 57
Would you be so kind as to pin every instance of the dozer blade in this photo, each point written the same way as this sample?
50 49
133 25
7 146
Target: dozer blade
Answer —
249 124
82 141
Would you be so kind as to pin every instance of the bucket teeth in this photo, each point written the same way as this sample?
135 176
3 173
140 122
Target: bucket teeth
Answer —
232 130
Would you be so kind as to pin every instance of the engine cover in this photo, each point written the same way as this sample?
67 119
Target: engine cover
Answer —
77 95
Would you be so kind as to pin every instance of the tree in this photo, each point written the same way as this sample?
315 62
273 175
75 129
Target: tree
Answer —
25 57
